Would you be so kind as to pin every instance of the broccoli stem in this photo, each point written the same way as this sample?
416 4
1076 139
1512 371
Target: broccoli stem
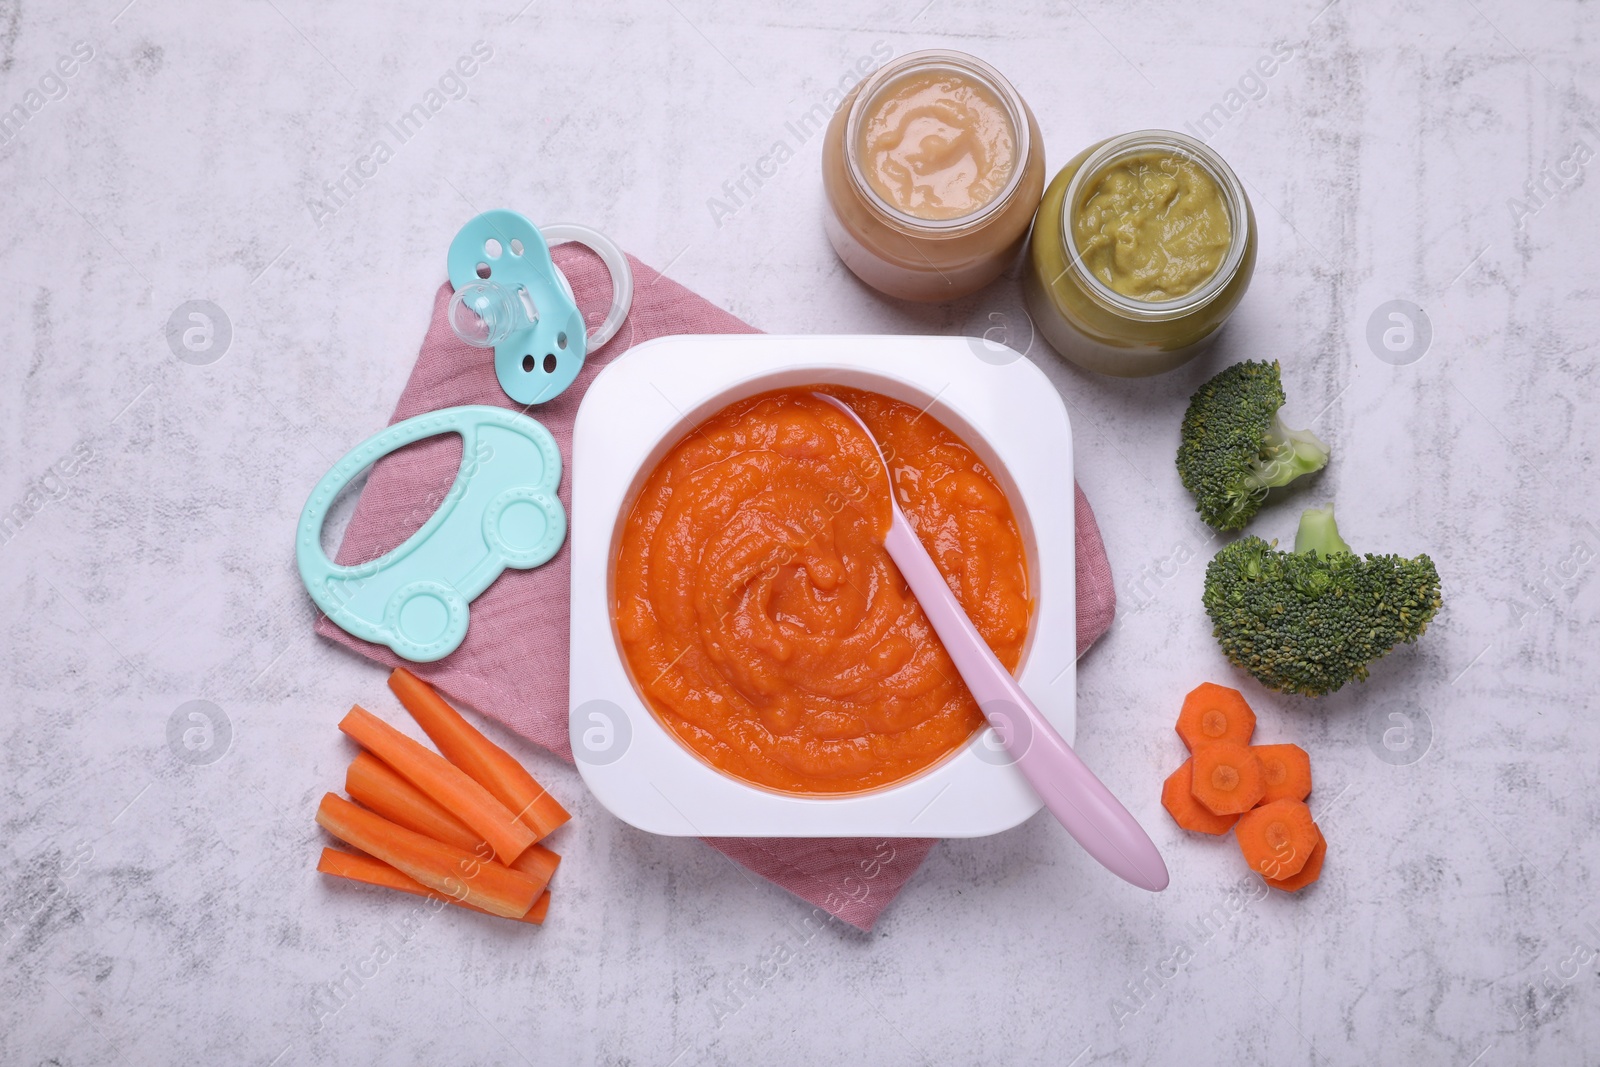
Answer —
1319 533
1285 455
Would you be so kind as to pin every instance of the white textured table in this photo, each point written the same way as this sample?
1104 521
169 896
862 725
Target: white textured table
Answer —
158 910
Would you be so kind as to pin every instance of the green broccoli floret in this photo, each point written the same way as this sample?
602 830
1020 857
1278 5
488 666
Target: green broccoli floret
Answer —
1310 620
1235 447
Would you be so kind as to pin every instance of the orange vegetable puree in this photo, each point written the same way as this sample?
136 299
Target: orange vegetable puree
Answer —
764 622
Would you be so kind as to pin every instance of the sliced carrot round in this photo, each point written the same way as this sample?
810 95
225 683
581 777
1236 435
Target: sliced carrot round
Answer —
1286 770
1213 713
1277 839
1307 874
1227 778
1177 796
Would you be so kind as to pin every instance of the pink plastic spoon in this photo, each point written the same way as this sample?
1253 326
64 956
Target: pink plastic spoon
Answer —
1078 799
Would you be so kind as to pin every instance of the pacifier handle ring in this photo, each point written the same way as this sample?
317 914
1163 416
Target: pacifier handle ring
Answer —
616 263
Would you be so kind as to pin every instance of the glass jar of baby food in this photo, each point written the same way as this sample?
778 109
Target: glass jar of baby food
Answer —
1142 247
933 167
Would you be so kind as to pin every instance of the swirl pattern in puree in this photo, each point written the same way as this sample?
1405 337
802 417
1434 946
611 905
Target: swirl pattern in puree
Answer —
761 616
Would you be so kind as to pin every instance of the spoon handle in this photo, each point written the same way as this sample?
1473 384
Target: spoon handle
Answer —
1078 799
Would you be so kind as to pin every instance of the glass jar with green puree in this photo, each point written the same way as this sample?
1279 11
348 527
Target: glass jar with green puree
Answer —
1142 247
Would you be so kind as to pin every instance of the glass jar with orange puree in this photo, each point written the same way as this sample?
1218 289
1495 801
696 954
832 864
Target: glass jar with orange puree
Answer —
933 167
1143 246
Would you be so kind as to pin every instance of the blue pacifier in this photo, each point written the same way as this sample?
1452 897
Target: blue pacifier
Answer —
501 512
510 296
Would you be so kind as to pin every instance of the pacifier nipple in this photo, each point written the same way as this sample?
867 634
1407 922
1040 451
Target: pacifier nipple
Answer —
485 313
510 296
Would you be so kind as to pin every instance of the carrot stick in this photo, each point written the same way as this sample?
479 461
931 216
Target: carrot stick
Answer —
442 868
484 761
376 872
376 785
538 863
448 785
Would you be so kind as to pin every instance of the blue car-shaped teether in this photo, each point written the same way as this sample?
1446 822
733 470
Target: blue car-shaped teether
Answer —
501 512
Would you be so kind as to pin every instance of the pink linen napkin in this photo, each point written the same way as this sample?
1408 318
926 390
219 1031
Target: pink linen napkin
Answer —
513 664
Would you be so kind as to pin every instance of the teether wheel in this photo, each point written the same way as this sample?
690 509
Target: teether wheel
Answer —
525 526
426 619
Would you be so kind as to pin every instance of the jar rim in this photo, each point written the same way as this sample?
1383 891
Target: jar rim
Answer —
969 66
1198 152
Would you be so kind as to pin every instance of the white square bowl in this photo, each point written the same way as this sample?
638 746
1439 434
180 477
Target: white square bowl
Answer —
642 404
